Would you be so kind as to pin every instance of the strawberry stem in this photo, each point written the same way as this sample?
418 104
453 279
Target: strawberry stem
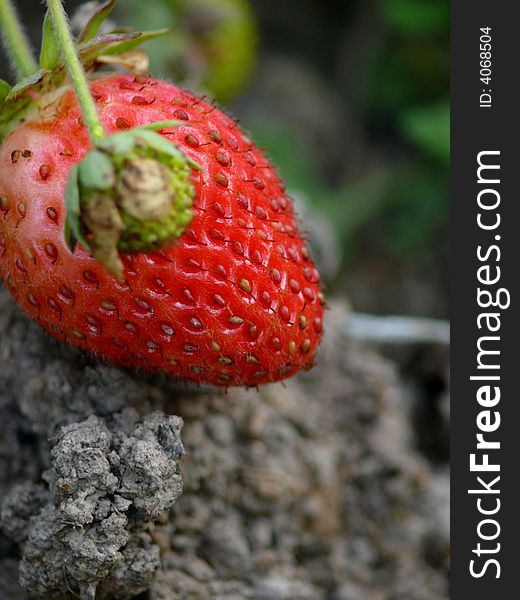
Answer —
75 68
15 41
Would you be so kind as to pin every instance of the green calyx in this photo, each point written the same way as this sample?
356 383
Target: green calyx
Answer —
131 193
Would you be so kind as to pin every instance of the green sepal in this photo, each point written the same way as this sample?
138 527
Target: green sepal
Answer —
161 144
142 37
115 43
96 171
193 163
49 53
5 88
89 51
26 83
159 125
73 228
95 22
118 143
123 143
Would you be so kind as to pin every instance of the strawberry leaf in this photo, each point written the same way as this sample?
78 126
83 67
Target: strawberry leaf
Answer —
5 88
26 83
115 43
95 22
143 37
50 53
88 51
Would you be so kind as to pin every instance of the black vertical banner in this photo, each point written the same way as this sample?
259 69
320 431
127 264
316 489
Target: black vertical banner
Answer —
485 155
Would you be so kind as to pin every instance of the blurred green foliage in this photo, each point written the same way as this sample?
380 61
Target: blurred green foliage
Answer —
416 18
409 91
428 127
398 203
212 46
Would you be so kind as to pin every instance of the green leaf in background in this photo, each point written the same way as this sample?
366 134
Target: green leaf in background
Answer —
95 22
417 18
428 128
148 15
50 53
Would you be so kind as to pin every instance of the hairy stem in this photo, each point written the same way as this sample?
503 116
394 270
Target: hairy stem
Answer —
15 41
75 69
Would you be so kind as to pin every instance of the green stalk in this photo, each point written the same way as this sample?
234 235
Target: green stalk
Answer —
15 41
75 68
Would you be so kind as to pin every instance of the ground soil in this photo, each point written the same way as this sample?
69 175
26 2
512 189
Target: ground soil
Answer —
314 489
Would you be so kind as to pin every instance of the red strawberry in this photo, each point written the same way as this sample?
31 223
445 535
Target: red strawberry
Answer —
234 301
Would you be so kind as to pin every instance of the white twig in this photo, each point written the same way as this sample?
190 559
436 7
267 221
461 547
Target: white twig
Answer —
398 329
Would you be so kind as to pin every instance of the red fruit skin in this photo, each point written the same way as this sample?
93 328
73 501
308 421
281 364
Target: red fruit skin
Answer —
234 301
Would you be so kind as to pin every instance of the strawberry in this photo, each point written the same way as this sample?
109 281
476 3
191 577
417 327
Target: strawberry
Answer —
235 300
